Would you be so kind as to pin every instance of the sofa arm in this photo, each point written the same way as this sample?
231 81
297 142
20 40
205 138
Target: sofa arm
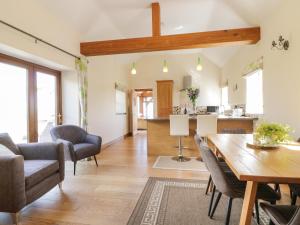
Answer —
93 139
45 151
12 183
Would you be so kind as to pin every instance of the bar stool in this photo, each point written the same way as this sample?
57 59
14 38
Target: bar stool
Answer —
206 124
179 127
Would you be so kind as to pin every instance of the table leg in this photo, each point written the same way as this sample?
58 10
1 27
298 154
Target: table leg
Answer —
248 203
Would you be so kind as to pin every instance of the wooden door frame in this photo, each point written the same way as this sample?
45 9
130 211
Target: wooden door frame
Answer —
32 91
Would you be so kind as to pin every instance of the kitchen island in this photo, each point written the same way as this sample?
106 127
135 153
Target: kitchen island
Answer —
161 143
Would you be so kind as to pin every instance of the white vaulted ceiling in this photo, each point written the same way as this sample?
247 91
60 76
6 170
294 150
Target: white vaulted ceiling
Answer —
115 19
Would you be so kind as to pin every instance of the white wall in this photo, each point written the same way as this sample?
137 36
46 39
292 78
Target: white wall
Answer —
30 16
149 70
281 68
103 72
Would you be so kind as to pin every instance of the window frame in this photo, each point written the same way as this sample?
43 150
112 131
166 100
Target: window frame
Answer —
32 70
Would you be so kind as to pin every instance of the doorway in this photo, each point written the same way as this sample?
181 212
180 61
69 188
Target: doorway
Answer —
145 108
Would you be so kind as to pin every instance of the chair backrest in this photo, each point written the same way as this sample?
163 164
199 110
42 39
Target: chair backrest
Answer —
233 131
296 218
217 174
70 133
206 124
179 125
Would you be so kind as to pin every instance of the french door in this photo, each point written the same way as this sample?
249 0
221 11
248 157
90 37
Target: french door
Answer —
30 98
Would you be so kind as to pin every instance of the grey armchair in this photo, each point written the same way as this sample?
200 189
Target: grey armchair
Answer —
28 172
79 143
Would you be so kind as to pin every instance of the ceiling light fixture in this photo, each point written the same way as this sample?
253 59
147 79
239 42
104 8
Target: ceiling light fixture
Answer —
178 27
199 65
133 69
165 68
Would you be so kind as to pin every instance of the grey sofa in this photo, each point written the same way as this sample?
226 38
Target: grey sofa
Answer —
79 143
27 173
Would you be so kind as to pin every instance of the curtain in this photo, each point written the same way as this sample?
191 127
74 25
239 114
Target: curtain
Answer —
256 65
81 68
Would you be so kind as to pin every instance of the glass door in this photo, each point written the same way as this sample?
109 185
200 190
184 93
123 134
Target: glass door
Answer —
14 104
48 110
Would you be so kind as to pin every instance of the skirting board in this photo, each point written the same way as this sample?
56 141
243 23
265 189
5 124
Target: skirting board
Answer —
106 145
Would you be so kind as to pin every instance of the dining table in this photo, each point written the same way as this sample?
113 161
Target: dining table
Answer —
279 165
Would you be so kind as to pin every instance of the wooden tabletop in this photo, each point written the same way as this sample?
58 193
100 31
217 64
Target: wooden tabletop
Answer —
280 165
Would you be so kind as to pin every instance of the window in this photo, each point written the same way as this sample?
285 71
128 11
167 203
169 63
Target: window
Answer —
30 98
254 92
13 96
224 100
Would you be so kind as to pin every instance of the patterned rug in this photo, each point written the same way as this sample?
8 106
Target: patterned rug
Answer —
166 162
182 202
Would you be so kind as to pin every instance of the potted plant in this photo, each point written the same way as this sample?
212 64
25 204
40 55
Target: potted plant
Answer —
272 134
193 94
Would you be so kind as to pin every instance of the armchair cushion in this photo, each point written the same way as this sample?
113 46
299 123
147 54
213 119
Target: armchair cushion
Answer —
7 142
85 150
5 151
38 170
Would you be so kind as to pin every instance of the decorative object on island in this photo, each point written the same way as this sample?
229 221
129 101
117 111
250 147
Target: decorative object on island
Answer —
199 65
133 69
282 44
176 110
270 135
193 94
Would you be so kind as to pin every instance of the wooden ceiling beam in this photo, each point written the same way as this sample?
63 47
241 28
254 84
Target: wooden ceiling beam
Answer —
172 42
155 19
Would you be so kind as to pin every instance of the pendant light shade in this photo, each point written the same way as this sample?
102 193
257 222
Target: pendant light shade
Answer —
199 65
133 69
165 67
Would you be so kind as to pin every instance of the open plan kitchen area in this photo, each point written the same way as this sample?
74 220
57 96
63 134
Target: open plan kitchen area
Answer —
140 112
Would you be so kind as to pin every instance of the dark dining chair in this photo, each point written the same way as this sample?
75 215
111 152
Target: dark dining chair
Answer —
227 184
282 214
294 192
79 143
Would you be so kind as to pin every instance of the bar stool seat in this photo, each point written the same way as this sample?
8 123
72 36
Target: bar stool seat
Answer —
179 127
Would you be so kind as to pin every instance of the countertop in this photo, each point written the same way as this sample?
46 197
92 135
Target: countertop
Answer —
220 117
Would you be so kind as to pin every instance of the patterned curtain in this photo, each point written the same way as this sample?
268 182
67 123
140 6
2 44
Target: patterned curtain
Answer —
256 65
81 67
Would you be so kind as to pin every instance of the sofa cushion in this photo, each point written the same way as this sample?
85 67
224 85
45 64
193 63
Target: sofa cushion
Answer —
38 170
7 142
85 150
5 151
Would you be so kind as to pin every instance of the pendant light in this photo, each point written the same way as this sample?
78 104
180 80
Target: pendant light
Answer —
199 65
133 69
165 67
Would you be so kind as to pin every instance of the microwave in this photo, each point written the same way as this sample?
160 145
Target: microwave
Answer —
212 109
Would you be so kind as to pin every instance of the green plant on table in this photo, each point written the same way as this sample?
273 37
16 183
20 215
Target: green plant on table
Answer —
272 133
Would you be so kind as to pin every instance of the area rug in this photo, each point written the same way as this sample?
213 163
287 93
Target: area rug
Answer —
181 202
166 162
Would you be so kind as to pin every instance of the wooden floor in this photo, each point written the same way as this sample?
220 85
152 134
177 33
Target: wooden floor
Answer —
100 196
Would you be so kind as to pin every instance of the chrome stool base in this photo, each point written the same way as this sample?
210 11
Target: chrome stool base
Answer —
181 158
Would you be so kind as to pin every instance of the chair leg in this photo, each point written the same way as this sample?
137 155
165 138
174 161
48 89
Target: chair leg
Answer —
75 162
60 185
212 199
228 211
257 211
208 184
15 218
216 205
95 158
294 199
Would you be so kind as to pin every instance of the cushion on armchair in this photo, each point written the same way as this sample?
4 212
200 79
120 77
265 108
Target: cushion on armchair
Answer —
85 150
7 142
38 170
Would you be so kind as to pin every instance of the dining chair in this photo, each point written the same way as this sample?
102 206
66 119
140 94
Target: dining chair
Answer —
282 214
206 124
294 192
227 184
179 127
